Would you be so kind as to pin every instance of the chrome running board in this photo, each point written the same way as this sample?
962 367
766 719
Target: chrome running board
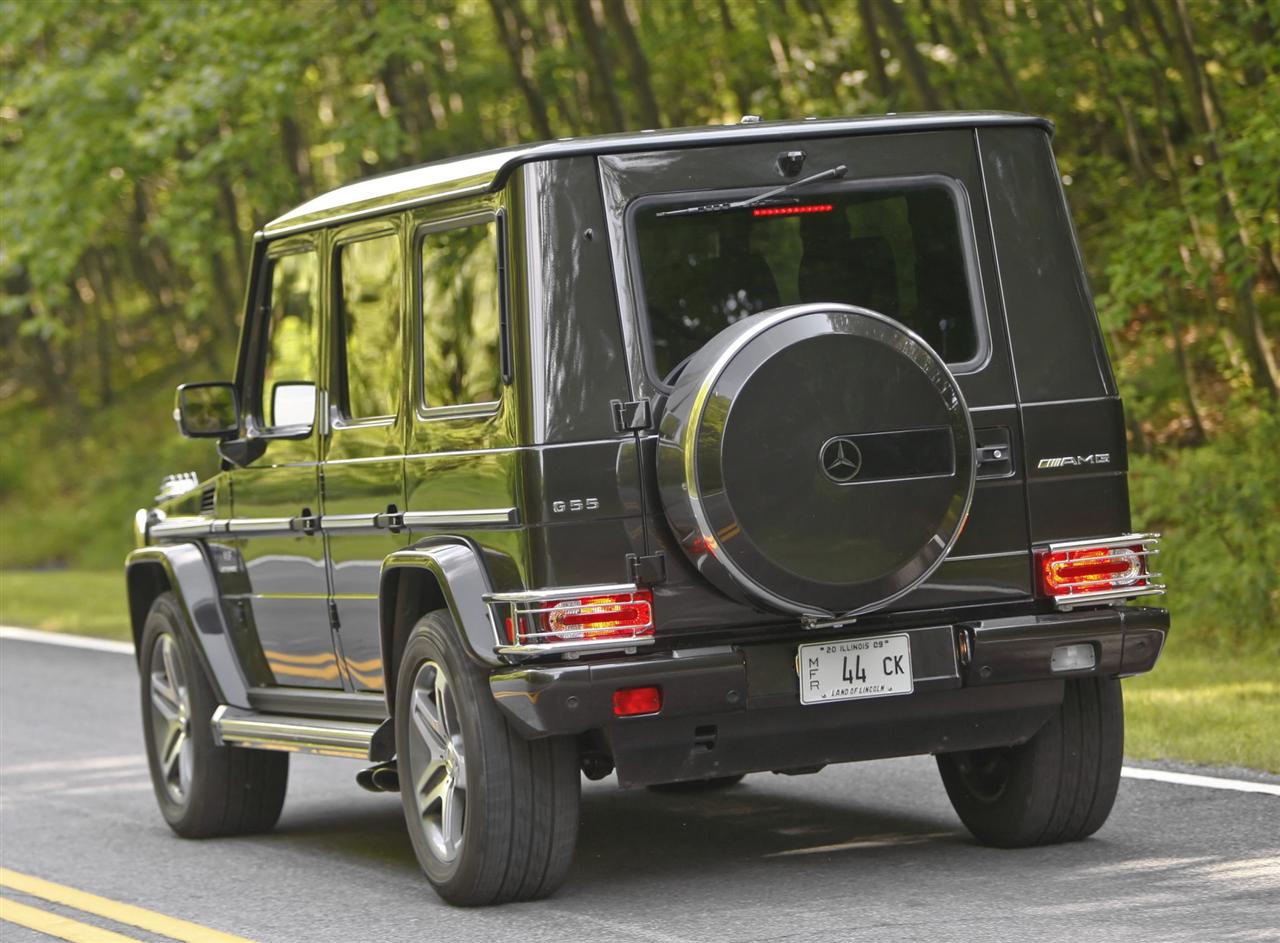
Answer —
235 727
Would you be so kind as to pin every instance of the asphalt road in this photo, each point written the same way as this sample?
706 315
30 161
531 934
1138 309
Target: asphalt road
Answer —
863 852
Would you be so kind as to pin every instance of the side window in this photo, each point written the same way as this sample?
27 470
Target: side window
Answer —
368 279
461 316
288 389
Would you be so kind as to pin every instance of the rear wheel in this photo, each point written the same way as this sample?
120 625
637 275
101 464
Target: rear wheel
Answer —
1059 786
203 789
714 784
493 817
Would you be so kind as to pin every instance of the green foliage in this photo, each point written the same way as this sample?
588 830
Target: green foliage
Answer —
143 141
1219 510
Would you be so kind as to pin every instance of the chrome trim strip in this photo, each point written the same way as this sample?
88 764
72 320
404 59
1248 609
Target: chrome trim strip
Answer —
233 727
181 527
454 518
1067 603
569 648
348 521
562 592
1126 540
258 525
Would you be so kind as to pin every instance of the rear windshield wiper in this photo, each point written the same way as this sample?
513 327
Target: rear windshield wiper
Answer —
835 173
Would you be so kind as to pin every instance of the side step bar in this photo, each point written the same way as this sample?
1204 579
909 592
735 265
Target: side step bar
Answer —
241 728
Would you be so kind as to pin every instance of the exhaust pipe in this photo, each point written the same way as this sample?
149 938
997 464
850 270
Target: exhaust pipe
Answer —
381 778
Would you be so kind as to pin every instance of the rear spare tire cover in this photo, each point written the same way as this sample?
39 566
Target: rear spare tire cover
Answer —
816 459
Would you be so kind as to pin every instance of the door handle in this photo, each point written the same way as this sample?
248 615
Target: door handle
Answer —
306 522
391 519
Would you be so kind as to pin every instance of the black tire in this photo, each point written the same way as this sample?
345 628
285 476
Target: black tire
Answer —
714 784
519 809
209 790
1057 787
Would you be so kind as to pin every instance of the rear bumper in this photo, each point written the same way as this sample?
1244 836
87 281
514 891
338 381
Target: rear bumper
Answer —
732 709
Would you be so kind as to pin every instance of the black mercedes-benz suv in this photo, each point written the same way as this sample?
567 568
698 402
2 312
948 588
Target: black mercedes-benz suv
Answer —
677 455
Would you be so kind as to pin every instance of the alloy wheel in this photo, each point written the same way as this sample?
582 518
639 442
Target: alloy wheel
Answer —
437 761
171 718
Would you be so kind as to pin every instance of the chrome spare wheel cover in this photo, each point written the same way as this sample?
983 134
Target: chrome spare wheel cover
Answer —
171 718
437 762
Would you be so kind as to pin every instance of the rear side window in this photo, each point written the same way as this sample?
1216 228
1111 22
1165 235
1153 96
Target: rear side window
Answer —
897 251
368 276
291 352
461 316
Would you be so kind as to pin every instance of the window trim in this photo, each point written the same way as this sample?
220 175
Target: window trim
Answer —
256 425
484 408
339 406
967 235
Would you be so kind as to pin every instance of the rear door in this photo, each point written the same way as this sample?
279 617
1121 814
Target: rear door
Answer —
913 242
363 470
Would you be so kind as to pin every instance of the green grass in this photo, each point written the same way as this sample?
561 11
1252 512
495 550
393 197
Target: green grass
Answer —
1201 704
80 602
1206 705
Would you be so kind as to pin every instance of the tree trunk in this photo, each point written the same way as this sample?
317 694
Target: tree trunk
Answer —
601 80
911 58
619 21
991 49
1185 369
509 34
875 50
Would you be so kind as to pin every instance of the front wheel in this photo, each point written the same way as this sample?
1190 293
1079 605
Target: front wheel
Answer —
203 789
492 817
1059 786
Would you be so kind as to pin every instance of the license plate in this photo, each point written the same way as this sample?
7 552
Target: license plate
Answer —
854 668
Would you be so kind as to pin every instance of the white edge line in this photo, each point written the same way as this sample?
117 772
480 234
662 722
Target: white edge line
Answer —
13 633
1204 782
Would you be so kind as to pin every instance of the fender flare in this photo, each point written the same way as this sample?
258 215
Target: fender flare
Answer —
189 574
459 575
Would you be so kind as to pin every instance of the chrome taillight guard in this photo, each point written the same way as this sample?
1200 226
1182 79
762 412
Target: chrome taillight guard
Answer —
526 608
1143 546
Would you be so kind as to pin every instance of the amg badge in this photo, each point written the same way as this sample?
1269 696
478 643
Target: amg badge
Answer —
1070 461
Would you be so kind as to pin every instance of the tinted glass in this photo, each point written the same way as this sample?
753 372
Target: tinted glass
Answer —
897 252
292 347
461 314
369 278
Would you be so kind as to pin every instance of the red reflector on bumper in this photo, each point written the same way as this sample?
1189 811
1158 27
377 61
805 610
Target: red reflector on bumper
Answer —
628 702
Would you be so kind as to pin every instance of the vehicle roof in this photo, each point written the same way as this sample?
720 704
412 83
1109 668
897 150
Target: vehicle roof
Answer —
489 170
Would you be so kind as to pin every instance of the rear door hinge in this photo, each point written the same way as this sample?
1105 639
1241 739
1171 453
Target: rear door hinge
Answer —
631 416
645 571
333 615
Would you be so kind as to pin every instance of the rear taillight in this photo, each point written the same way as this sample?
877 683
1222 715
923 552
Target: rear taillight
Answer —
599 617
1117 568
549 620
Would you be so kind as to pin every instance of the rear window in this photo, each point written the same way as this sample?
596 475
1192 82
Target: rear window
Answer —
895 250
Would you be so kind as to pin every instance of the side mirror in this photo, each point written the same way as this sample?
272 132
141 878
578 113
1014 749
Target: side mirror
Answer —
293 403
207 410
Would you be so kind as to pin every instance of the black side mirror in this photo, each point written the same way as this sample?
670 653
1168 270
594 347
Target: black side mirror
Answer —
207 410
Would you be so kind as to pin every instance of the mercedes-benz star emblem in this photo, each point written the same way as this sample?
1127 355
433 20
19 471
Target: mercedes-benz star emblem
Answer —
841 459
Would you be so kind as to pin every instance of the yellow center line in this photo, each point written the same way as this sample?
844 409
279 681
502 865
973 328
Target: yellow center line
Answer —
149 920
55 925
